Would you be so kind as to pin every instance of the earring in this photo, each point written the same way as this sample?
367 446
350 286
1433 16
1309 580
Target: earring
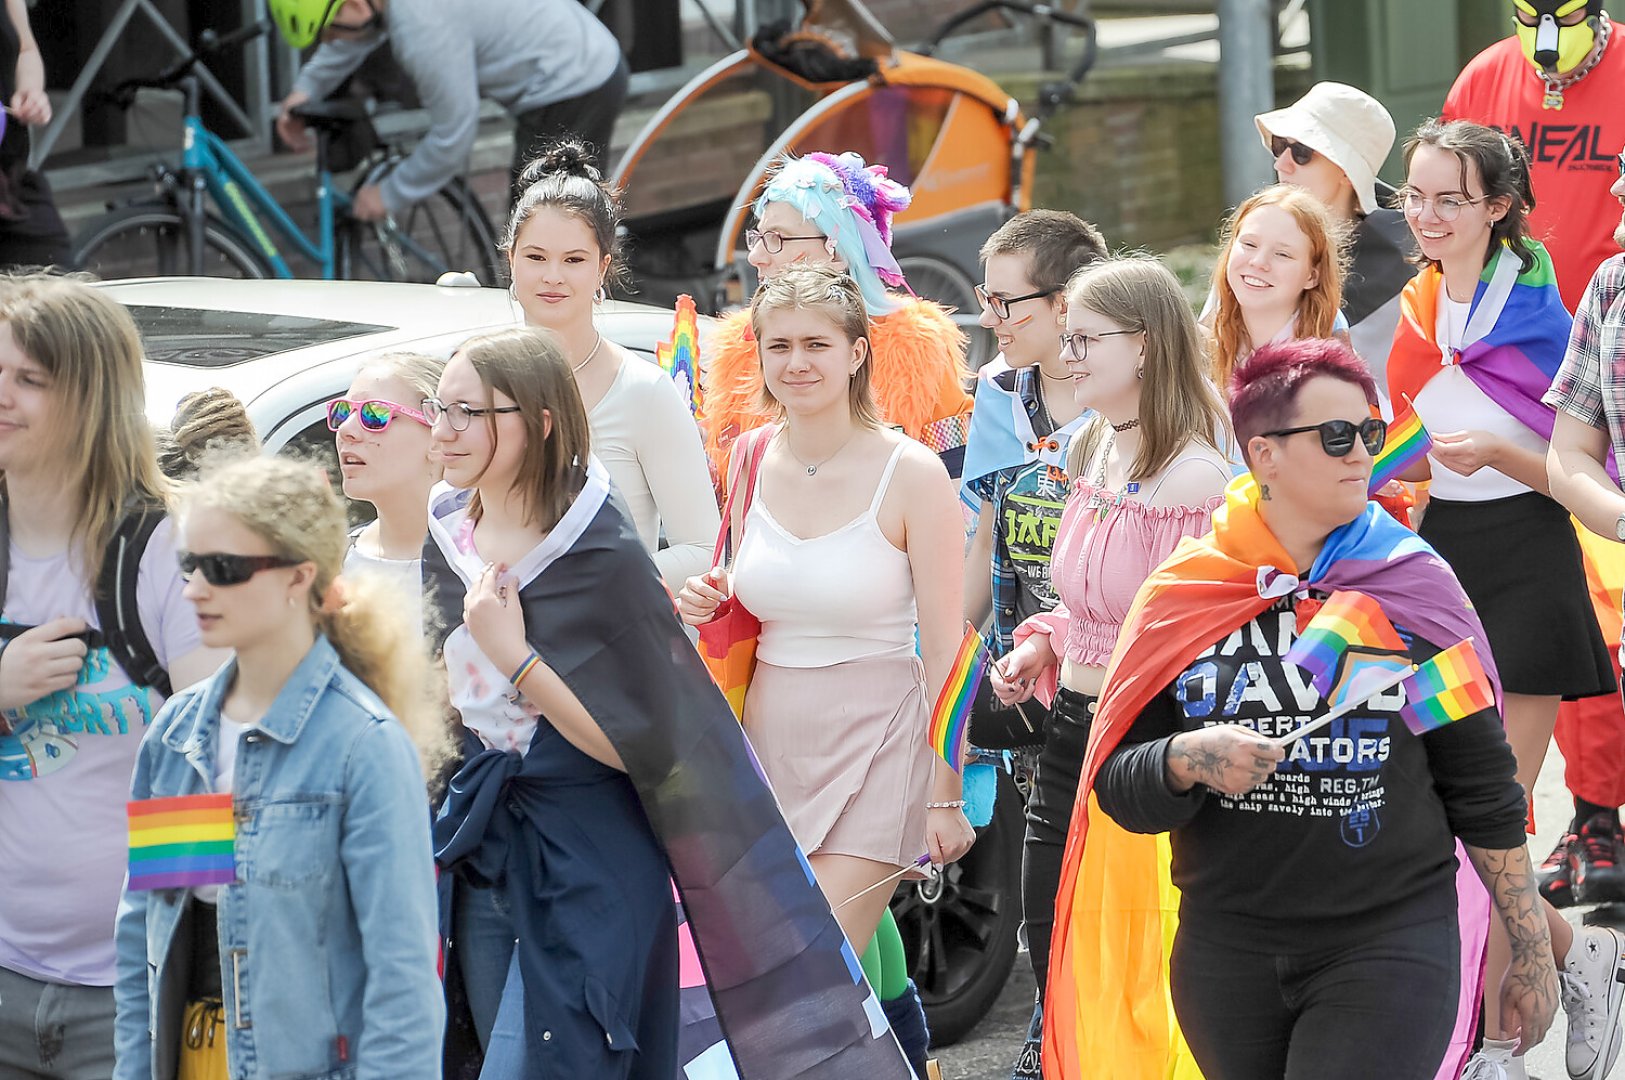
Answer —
290 601
1139 373
829 246
1263 493
600 295
513 294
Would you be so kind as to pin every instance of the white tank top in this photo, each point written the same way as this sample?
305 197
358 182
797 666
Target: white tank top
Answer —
845 595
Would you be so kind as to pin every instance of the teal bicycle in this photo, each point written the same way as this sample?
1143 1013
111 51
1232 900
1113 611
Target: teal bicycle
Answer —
176 231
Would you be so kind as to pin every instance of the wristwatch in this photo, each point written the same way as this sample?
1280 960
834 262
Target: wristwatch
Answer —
1619 528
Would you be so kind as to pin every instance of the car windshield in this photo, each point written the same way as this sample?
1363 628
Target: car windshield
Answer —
205 338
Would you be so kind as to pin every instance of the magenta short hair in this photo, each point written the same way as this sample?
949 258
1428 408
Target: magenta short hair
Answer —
1264 389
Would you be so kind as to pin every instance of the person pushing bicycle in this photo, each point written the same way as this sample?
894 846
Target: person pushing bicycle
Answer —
531 56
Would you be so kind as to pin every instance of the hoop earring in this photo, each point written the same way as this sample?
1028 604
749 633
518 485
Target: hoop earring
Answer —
600 296
513 293
1139 373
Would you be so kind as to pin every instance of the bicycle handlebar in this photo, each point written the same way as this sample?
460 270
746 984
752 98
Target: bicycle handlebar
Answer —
209 43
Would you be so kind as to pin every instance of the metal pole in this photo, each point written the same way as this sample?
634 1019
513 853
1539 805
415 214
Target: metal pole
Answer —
1246 88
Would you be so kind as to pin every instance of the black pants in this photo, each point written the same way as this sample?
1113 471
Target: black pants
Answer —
589 117
1049 812
1383 1007
31 230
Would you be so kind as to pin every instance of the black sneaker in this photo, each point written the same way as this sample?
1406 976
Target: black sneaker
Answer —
1556 874
1597 875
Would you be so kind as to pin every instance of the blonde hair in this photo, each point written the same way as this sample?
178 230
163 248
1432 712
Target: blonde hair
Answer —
1177 402
92 350
418 370
1319 304
528 365
292 507
837 296
208 425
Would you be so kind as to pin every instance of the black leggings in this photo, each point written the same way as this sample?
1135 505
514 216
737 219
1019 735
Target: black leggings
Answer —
1049 812
1385 1006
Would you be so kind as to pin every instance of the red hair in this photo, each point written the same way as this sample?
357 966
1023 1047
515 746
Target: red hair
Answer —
1264 388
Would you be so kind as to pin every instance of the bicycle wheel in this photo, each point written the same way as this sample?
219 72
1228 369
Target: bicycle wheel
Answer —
150 241
942 281
447 231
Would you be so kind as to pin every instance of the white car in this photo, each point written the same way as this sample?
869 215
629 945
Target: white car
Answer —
287 348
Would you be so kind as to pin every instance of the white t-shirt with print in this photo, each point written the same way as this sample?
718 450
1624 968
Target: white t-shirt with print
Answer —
65 772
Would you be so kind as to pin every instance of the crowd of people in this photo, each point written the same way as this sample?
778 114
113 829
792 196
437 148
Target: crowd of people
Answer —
452 793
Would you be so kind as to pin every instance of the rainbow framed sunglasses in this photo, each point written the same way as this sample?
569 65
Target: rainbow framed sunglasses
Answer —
375 414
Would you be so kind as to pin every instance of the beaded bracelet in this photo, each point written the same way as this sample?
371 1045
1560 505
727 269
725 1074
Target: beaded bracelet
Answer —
524 669
951 804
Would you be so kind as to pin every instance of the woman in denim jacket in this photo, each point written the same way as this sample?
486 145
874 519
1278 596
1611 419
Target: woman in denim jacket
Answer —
312 952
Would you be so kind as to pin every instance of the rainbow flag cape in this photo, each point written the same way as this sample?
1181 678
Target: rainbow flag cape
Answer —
1446 687
1408 442
182 842
950 719
1107 1011
680 357
1001 433
1516 334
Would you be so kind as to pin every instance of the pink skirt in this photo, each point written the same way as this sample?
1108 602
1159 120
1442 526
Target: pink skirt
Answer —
845 752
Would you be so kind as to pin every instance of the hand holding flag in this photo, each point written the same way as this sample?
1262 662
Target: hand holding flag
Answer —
1408 442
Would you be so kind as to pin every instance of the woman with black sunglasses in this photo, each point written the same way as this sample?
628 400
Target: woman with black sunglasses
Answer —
382 438
280 907
1318 932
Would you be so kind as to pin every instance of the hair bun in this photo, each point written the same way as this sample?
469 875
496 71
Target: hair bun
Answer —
567 157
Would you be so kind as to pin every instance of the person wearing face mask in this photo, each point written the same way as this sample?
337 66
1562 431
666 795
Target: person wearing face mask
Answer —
1480 342
1331 142
562 249
835 210
1556 85
550 63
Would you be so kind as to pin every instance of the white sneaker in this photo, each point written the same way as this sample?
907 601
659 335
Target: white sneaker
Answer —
1592 992
1495 1062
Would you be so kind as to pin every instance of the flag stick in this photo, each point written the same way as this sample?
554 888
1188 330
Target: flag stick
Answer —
921 861
1365 694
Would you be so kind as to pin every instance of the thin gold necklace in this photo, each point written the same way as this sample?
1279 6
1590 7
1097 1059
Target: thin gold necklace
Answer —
812 470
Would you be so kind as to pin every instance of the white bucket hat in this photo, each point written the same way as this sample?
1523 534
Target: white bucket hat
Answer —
1349 127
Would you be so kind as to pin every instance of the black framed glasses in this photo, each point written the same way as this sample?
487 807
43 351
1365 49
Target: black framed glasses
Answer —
1337 436
1077 345
1000 305
458 414
1445 207
1301 154
773 242
374 414
221 569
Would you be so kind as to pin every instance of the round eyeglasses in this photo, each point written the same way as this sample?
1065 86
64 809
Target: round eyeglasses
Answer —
1077 345
458 414
1445 207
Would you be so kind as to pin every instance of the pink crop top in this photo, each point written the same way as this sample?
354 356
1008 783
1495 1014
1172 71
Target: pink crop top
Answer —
1100 562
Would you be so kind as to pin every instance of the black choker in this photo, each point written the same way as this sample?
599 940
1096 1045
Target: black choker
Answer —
1126 425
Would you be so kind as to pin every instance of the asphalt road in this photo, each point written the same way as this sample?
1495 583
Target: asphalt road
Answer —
991 1048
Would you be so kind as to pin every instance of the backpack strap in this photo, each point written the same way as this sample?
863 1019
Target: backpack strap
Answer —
117 606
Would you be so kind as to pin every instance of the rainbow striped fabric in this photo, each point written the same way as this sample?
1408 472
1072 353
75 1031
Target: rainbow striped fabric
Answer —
1408 442
680 357
182 842
950 719
1450 685
1347 620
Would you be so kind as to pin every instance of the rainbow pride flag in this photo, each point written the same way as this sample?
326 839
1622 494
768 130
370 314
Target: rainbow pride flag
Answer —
680 357
1450 685
1408 442
1347 620
950 719
182 842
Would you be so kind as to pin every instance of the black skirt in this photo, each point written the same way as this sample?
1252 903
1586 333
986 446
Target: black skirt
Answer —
1519 562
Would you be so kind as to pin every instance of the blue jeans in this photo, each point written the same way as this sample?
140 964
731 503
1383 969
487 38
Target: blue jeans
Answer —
484 946
1385 1006
53 1032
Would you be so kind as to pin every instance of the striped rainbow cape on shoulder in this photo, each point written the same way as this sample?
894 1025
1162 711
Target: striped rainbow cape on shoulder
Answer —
1107 1010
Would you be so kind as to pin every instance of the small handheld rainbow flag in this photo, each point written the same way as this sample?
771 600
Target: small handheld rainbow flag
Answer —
1408 442
1445 688
1345 621
182 842
680 357
950 720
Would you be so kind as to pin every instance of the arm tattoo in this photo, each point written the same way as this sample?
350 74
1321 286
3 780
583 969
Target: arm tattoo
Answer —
1512 888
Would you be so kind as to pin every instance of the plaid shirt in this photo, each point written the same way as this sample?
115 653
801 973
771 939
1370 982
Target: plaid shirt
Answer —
1013 595
1590 386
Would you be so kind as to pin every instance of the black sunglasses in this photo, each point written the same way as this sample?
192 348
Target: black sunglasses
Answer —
220 569
1622 165
1337 436
1301 154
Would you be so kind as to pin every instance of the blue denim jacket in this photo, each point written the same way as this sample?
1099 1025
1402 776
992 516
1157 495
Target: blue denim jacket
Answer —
328 943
